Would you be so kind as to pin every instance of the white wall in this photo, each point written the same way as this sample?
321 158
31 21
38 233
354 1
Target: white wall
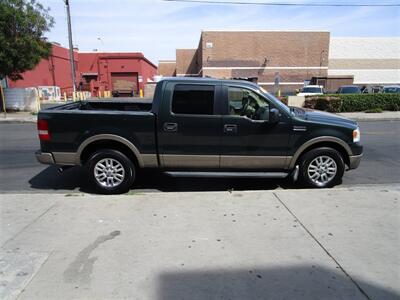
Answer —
376 50
368 76
364 48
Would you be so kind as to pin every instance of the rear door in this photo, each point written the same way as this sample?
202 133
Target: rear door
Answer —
189 126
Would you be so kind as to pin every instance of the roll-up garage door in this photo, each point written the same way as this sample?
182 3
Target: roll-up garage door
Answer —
125 82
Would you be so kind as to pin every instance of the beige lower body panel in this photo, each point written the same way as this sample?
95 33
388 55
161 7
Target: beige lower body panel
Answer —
196 161
149 160
225 161
254 162
192 161
65 158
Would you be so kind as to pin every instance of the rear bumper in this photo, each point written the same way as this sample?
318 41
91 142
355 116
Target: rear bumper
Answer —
44 158
355 161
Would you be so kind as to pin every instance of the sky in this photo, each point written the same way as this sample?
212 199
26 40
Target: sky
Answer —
156 28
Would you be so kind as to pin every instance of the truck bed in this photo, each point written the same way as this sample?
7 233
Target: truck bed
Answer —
72 123
106 105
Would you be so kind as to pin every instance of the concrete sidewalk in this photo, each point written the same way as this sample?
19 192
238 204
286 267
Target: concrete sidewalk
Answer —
26 117
294 244
18 117
361 116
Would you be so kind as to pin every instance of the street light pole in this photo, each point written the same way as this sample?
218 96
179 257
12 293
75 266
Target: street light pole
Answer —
71 47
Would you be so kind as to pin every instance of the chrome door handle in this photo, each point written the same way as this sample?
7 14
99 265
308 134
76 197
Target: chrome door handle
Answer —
230 128
299 128
171 127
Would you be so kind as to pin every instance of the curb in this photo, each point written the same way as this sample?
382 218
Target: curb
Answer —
374 119
13 121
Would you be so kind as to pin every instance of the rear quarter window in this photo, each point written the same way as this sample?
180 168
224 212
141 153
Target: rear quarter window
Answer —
193 99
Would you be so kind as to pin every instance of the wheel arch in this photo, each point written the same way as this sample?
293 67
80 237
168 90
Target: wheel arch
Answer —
325 141
109 141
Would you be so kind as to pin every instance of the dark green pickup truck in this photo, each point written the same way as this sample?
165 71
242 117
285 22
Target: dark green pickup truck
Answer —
199 127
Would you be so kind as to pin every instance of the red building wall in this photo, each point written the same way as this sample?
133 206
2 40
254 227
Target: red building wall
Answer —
54 71
95 67
104 64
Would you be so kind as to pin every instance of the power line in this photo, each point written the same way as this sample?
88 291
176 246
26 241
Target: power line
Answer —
286 3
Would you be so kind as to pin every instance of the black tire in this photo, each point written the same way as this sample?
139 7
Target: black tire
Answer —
314 157
119 183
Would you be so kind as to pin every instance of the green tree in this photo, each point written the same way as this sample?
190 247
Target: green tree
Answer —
22 44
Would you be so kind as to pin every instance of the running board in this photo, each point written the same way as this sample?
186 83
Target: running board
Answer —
229 174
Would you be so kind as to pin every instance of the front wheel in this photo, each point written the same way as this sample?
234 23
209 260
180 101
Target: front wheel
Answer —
321 168
111 172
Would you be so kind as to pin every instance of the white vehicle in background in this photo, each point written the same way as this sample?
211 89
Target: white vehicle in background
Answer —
311 90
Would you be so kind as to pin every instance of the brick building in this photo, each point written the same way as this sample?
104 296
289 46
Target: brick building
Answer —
54 71
95 71
121 72
167 68
291 58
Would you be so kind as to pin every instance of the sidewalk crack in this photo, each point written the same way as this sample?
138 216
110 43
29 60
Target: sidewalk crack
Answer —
28 225
323 248
29 282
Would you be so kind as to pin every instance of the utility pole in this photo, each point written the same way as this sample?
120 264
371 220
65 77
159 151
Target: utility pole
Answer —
71 47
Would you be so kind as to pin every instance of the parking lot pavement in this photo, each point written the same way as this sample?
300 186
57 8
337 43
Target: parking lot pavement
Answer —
307 244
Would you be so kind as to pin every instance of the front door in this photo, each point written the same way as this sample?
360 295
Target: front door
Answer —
188 127
249 143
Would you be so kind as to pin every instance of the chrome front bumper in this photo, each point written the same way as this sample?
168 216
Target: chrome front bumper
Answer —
355 161
44 158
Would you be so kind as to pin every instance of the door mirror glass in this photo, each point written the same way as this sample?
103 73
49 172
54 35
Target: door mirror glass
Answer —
274 115
264 113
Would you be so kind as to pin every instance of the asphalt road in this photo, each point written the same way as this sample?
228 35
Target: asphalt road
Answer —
19 171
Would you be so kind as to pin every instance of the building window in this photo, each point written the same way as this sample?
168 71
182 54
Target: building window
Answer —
193 99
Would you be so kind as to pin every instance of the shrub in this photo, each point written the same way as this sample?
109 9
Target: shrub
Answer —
284 100
353 102
325 103
364 102
374 110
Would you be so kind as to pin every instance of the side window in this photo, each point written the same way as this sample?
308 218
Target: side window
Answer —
193 99
244 102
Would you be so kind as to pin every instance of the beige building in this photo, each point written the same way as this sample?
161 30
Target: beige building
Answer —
372 61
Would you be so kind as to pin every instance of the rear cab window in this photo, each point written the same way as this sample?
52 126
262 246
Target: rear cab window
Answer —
193 99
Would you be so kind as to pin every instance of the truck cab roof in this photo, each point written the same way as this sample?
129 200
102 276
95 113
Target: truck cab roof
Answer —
210 80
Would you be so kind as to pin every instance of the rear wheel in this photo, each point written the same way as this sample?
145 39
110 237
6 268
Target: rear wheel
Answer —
111 172
321 168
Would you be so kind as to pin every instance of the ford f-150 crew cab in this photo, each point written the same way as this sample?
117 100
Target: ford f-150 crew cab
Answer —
199 127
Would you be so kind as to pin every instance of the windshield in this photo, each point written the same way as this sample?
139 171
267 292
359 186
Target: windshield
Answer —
275 100
311 90
350 90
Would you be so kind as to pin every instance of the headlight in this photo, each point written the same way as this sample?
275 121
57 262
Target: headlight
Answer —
356 135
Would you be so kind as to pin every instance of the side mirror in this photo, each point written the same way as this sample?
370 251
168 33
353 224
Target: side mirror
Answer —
264 113
274 115
269 115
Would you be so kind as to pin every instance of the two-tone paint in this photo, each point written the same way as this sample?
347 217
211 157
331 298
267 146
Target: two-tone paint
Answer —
157 138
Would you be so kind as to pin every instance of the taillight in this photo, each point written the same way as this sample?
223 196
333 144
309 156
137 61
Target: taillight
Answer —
43 130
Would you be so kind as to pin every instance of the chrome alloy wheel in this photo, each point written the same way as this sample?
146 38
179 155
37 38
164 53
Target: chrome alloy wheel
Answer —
322 169
109 172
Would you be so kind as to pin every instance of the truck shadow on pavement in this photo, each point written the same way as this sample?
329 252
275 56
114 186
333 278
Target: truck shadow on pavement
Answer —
76 178
302 282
